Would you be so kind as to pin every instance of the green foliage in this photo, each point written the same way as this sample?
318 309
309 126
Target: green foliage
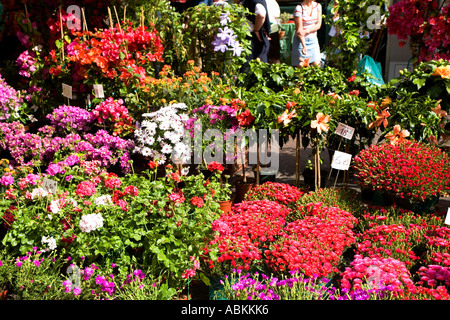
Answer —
354 20
422 81
202 24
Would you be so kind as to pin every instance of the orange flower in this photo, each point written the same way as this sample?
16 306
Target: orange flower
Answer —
321 123
290 104
443 71
304 62
439 111
386 102
381 119
397 134
285 117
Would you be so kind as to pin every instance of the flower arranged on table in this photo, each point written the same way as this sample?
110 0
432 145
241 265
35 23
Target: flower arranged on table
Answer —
411 170
115 52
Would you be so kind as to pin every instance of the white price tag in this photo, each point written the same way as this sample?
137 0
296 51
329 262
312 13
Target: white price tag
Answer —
98 91
447 217
345 131
341 160
50 185
67 91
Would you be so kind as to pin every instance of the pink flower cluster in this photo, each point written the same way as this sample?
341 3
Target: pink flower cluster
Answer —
434 275
376 272
426 23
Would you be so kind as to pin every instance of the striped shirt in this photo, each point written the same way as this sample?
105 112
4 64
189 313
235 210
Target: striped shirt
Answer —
308 19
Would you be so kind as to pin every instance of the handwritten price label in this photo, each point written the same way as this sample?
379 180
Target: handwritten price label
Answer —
447 217
67 91
98 91
345 131
341 160
50 185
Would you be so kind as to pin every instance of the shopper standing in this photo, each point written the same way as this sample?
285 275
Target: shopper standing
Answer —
307 19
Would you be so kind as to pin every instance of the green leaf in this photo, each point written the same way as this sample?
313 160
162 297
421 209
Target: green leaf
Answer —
419 82
205 279
59 44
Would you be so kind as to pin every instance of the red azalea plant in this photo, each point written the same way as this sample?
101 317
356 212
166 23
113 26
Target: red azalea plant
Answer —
411 170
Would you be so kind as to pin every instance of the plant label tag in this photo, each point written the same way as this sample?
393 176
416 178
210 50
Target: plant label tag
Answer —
98 91
67 91
50 185
345 131
341 160
447 217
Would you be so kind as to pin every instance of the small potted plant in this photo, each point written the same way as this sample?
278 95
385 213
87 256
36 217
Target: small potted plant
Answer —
285 17
221 189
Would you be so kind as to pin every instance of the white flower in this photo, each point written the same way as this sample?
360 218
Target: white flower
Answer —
167 148
91 222
51 242
165 125
38 193
146 151
54 206
103 200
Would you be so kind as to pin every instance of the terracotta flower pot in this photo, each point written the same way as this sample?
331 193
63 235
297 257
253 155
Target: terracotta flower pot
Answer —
242 189
225 206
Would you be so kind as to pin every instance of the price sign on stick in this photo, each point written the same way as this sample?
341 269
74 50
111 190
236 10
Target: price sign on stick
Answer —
447 217
98 91
50 185
341 160
345 131
67 91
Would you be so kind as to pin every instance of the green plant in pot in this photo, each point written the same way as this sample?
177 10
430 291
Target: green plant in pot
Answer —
220 188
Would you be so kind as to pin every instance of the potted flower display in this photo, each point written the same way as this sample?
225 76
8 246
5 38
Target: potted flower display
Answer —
220 189
412 173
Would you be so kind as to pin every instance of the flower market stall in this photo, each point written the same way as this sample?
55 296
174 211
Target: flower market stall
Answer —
115 184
